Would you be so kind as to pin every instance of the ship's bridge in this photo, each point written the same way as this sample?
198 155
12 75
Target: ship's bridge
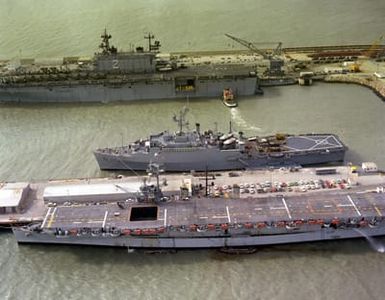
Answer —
176 140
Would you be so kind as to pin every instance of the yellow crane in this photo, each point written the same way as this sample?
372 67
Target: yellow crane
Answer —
372 52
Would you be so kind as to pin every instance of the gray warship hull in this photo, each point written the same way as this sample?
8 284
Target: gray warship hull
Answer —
112 75
305 150
124 91
205 222
326 234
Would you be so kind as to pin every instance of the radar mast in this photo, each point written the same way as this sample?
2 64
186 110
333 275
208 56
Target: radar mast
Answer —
152 47
182 119
105 44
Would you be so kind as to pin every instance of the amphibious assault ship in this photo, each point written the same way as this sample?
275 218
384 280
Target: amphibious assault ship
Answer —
113 75
212 150
224 212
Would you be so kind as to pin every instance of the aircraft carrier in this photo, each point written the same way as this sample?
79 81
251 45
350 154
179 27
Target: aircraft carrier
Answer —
195 150
113 75
222 210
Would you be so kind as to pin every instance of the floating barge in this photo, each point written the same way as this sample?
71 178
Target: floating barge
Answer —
218 210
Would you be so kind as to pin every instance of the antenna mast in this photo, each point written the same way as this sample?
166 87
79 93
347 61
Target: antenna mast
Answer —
182 119
152 47
105 44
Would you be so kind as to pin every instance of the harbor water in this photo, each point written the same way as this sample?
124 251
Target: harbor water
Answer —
39 142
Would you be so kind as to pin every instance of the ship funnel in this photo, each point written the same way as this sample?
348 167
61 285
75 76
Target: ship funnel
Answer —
197 126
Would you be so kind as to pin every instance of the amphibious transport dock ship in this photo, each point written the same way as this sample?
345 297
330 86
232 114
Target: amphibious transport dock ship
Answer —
185 151
112 75
219 213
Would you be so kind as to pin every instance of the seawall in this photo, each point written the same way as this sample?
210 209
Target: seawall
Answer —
375 84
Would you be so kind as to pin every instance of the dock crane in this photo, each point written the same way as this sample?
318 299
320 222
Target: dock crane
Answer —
375 48
252 46
374 51
276 63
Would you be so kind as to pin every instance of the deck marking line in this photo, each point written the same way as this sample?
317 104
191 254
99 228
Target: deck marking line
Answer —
105 218
355 207
203 217
46 217
320 142
228 214
219 217
344 205
327 206
165 217
378 211
279 207
258 208
52 217
287 209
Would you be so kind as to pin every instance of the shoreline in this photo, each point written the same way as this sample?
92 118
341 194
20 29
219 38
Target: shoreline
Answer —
376 85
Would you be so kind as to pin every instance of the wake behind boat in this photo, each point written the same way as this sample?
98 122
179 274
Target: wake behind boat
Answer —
195 150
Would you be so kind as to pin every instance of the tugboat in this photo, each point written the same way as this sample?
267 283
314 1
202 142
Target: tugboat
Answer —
228 98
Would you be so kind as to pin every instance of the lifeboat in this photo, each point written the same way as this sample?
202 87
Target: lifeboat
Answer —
261 225
73 231
115 232
312 222
248 225
224 226
149 231
193 227
126 231
160 230
211 227
229 141
136 232
326 225
320 222
290 226
96 232
202 228
84 231
280 224
363 223
335 222
182 228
